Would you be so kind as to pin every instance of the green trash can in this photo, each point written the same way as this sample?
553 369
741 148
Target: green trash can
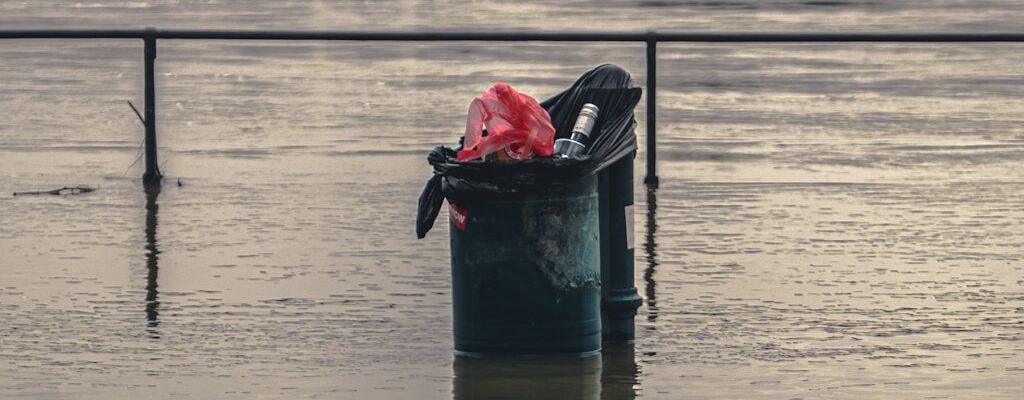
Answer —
526 272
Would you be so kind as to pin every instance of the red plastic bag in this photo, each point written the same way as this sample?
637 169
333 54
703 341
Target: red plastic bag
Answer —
514 121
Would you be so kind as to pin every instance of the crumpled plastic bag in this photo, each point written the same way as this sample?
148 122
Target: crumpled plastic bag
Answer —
514 121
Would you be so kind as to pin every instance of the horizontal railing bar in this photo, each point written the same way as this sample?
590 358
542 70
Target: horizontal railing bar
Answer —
408 36
721 37
72 34
938 37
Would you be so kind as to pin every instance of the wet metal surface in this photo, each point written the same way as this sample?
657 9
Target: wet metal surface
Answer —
834 221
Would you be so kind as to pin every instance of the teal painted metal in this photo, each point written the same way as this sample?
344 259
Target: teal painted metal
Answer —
526 272
603 187
619 297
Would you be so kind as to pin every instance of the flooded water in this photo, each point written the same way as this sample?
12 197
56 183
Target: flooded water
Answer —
834 221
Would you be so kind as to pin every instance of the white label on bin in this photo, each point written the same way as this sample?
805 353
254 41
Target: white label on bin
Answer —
629 226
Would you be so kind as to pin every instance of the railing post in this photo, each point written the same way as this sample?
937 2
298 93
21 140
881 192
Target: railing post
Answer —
651 180
152 176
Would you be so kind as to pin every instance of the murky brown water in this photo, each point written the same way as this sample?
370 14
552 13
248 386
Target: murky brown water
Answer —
835 221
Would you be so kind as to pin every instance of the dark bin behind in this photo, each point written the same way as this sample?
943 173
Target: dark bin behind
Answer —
619 298
526 236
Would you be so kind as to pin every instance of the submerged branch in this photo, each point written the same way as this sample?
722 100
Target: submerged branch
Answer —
63 190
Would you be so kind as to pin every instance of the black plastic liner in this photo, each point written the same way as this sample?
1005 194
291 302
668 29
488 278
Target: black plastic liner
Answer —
608 86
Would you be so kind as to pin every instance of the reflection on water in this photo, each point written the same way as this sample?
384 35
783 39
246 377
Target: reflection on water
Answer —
620 375
613 374
152 269
651 251
527 378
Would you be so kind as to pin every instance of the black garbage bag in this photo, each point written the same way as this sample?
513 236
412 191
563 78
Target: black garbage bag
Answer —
608 86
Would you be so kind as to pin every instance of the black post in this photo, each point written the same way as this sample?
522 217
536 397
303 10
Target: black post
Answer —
152 176
651 180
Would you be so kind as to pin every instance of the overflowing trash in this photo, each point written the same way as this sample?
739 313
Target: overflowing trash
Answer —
512 143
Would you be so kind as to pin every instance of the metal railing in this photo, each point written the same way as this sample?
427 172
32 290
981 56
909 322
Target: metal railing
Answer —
149 36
